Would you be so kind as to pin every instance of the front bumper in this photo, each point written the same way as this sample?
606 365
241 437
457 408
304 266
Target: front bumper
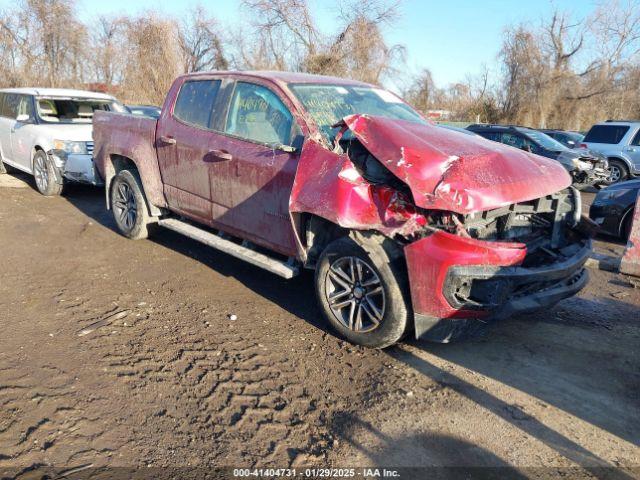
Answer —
453 279
591 177
78 168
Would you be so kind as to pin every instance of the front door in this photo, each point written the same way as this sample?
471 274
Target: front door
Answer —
252 185
184 140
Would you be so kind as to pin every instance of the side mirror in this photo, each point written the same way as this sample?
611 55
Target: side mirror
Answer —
23 118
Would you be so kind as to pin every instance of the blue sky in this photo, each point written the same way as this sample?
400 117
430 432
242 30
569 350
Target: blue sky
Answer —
452 38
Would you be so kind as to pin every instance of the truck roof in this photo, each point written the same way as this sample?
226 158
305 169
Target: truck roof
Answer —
284 77
57 92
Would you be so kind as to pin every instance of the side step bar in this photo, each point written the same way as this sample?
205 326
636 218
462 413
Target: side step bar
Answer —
283 269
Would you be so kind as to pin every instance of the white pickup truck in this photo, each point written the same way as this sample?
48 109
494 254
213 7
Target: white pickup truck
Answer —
47 132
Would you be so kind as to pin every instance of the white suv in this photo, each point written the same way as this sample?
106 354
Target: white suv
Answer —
47 132
619 141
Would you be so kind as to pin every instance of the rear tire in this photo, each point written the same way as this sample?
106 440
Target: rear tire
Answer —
129 205
46 175
618 171
361 287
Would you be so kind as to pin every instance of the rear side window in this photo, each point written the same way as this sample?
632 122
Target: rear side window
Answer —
494 136
196 101
257 114
611 134
636 140
10 105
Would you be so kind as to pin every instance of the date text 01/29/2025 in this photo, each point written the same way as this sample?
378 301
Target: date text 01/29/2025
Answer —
315 473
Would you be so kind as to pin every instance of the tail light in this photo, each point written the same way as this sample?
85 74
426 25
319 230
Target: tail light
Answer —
583 145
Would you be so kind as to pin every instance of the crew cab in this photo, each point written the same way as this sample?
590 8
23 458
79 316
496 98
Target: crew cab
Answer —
46 132
409 227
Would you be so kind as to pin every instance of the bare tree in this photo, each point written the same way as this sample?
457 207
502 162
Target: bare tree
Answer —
153 58
38 47
109 40
200 44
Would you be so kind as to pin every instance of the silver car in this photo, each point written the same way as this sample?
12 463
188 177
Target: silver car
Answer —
619 141
47 133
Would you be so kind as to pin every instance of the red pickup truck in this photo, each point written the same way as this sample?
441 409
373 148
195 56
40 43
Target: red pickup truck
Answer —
409 227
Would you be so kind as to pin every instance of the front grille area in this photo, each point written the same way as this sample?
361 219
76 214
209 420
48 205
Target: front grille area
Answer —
541 224
90 148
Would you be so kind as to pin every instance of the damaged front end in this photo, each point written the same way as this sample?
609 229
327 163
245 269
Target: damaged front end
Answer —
585 168
486 231
74 162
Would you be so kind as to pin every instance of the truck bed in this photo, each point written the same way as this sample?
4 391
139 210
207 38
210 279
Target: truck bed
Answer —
123 137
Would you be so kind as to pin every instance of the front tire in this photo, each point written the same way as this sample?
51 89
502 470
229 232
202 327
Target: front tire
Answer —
362 290
617 172
129 205
46 175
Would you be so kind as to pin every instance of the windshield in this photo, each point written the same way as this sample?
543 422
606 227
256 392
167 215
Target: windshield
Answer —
545 141
72 110
328 104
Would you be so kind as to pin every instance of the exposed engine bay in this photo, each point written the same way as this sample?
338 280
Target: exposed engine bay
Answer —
544 225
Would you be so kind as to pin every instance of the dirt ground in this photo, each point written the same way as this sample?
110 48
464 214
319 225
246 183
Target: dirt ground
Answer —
123 354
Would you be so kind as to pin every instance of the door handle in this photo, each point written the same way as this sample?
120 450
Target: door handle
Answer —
218 156
167 140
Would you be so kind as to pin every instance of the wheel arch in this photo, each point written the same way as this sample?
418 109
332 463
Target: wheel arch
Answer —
117 163
626 162
623 220
314 233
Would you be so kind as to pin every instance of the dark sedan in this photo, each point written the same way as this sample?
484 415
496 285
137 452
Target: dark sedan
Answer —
568 139
145 110
586 168
613 207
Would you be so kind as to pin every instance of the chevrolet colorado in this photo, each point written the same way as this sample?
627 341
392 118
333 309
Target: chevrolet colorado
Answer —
409 227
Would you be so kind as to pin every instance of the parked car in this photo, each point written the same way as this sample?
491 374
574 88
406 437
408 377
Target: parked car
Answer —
568 139
586 169
613 208
144 110
47 133
619 141
409 227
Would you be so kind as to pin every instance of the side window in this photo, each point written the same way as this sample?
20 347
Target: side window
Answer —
25 107
257 114
493 136
610 134
513 140
196 101
10 105
636 140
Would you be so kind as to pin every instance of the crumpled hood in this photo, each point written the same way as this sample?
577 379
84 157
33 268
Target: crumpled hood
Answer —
448 170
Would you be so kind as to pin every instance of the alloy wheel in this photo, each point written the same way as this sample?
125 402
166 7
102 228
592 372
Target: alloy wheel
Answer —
125 206
614 173
355 295
41 173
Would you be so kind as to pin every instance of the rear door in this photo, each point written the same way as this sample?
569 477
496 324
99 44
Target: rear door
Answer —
23 133
8 113
183 140
633 150
252 179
